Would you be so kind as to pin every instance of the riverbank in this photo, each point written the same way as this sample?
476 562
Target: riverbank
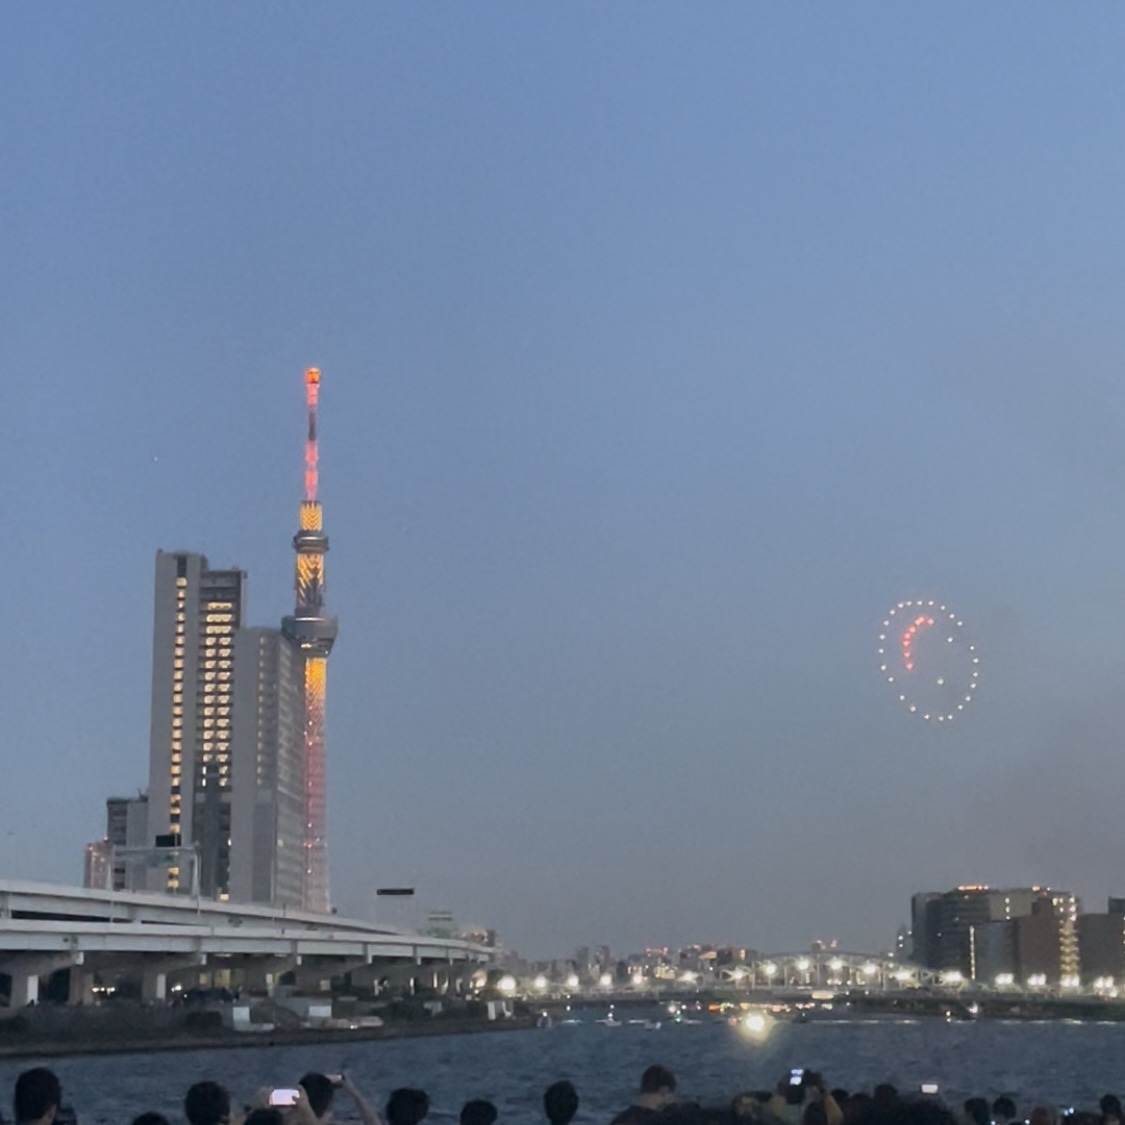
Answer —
950 1007
86 1037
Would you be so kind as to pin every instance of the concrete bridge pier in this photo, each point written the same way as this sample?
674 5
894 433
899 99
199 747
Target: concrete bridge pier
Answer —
262 973
81 987
154 979
25 972
413 978
443 979
401 975
317 976
460 978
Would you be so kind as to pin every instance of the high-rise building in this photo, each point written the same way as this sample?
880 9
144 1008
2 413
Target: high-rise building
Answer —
268 771
1047 939
313 631
957 930
126 830
1101 943
117 861
197 612
924 927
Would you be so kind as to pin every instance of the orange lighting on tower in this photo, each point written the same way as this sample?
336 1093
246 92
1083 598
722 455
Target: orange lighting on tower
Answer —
313 632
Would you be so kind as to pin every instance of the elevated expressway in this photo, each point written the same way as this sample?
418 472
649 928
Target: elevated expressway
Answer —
45 928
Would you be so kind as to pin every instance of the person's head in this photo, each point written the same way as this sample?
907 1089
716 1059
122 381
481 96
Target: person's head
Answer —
1110 1105
746 1104
978 1111
150 1118
814 1114
478 1112
1043 1115
885 1094
912 1111
1004 1109
560 1103
658 1087
207 1103
794 1093
37 1096
406 1107
320 1092
265 1115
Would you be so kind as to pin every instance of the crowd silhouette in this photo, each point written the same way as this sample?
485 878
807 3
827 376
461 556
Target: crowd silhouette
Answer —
802 1097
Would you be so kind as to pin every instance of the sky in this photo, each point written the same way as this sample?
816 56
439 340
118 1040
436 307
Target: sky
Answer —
665 348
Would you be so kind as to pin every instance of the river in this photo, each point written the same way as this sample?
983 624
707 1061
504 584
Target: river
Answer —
1059 1062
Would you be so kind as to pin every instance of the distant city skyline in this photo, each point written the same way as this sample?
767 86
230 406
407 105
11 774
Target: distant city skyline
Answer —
668 347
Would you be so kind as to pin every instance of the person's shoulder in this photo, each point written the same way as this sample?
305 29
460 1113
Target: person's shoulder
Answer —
636 1115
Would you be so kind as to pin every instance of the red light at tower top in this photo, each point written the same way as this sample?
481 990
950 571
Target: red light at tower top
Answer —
312 454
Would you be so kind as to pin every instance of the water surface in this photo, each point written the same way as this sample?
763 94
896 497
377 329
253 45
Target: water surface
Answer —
1062 1063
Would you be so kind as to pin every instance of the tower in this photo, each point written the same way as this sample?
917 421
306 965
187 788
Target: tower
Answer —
312 631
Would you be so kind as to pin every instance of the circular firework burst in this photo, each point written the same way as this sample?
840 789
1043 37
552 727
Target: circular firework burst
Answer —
926 657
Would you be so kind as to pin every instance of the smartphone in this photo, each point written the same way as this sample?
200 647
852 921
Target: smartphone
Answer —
796 1076
284 1097
928 1088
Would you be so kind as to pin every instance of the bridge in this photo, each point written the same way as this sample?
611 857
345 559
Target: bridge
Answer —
775 973
45 928
831 969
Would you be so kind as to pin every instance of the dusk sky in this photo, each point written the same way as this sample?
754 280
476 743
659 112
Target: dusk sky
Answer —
665 348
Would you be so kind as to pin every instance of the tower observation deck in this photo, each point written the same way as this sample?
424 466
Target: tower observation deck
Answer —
313 632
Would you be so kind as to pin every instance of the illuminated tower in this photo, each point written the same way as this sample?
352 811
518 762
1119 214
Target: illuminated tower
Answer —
313 631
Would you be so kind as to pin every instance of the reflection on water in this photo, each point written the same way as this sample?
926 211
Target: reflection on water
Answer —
1064 1063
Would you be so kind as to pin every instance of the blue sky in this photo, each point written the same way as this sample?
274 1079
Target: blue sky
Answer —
665 348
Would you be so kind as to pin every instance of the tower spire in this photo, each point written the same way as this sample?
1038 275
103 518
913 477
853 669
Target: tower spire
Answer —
313 632
312 452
